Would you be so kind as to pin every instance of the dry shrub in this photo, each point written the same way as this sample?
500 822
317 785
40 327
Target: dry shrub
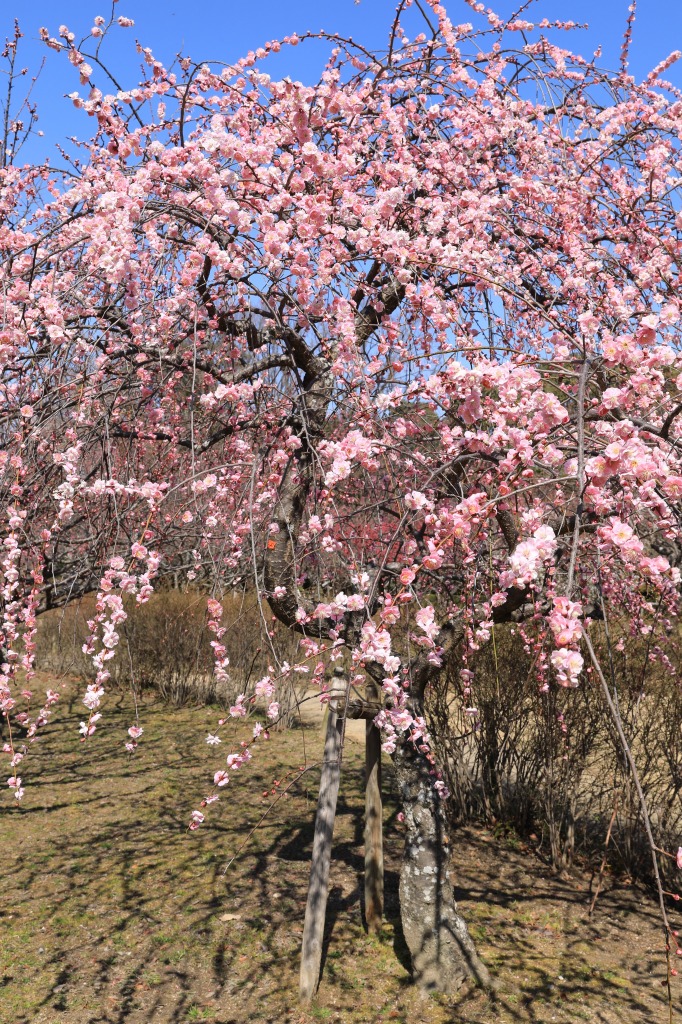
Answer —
551 763
546 763
165 647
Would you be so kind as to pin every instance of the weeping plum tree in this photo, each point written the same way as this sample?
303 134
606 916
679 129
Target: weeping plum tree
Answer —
399 351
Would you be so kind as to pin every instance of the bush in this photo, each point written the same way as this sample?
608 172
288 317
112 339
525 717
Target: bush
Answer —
545 763
165 647
552 764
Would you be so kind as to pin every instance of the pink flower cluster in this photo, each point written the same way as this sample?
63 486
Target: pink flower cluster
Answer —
222 661
528 557
103 638
565 622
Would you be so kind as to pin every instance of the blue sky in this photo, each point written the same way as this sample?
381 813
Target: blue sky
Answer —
226 29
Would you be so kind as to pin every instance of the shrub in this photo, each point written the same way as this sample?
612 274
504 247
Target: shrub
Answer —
551 763
165 647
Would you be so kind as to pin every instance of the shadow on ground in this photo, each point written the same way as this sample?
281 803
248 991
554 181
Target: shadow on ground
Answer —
114 913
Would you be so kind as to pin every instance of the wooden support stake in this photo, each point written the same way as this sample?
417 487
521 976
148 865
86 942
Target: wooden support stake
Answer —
374 853
316 907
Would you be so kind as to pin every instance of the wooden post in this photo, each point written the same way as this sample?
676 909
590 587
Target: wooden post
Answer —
316 907
374 853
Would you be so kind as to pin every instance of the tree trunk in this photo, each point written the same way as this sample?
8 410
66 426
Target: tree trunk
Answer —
443 954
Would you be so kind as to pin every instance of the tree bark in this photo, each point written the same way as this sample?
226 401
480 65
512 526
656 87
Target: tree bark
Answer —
443 954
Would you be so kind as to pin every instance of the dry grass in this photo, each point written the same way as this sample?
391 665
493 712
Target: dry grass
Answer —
113 913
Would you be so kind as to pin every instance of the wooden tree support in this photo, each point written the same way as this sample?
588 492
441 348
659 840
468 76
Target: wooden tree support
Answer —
374 850
316 907
340 708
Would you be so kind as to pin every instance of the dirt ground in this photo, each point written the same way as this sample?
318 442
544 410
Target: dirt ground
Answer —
114 913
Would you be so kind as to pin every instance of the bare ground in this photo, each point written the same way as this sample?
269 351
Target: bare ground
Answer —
113 913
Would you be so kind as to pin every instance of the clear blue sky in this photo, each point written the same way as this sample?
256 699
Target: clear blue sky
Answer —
226 29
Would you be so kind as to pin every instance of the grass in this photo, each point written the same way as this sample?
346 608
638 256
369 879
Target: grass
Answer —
114 913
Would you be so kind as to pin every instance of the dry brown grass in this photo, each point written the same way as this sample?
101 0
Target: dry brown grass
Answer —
113 913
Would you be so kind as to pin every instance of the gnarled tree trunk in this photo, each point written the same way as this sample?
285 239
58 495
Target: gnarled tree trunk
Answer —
443 954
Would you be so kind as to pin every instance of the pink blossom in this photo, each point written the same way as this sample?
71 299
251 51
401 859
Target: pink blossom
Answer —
196 818
528 555
425 619
238 710
264 687
673 486
568 665
564 621
376 643
416 500
273 710
93 696
435 557
390 613
619 533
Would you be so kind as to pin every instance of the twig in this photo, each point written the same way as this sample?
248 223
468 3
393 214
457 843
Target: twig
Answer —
263 816
603 862
580 417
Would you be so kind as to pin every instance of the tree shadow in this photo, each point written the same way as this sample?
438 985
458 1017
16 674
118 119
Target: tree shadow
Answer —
107 893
